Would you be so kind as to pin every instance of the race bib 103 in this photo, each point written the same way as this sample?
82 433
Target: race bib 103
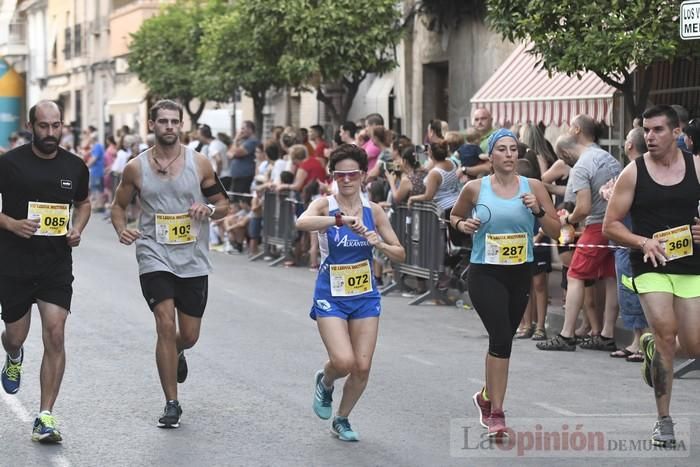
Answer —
174 229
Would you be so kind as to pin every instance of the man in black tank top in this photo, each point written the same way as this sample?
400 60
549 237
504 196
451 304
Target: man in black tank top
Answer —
661 191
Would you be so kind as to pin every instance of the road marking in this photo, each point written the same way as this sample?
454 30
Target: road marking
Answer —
16 407
555 409
419 360
24 416
455 328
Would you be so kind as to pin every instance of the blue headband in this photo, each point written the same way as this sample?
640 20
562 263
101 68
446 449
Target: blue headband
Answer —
498 134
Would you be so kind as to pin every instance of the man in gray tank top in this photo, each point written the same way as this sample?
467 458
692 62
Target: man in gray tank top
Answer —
176 186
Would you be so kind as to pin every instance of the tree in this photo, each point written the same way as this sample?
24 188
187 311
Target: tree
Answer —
337 43
163 53
244 49
611 38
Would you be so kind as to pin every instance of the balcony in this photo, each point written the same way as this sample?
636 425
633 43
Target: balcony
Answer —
126 19
16 44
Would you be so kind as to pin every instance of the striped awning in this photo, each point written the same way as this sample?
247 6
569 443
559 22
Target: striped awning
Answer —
521 91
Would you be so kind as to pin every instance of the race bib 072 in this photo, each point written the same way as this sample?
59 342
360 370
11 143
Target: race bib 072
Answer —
350 279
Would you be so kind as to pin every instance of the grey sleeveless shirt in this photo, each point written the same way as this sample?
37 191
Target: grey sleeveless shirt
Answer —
166 196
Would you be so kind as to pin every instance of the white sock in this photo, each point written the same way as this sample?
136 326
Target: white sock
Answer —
44 412
18 358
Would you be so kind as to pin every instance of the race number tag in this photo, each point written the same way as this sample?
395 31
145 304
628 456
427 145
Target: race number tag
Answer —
506 249
52 218
174 229
350 279
677 242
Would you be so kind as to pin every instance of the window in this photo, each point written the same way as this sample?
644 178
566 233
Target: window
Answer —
67 44
78 39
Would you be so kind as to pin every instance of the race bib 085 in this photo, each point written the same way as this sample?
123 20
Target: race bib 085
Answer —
52 218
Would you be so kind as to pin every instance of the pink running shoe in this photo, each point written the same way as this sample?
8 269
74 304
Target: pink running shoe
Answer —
497 425
483 407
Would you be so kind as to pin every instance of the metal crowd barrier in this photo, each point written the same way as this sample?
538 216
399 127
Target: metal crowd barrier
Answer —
686 367
278 229
422 233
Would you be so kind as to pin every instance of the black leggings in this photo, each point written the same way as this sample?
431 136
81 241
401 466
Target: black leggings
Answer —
500 295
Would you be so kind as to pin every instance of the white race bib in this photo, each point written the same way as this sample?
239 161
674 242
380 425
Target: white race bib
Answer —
506 249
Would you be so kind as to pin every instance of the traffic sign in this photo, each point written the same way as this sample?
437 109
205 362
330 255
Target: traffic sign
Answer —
690 20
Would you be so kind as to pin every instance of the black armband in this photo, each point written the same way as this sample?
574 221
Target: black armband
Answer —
217 187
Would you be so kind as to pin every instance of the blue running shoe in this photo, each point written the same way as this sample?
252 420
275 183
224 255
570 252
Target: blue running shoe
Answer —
323 398
341 428
45 429
646 342
12 373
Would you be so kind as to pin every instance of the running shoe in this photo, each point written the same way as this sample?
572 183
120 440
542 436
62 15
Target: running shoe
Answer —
646 342
341 428
12 373
171 415
483 407
181 367
323 398
663 434
497 424
45 429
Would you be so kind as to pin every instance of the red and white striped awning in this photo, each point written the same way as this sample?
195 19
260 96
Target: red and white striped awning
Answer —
521 91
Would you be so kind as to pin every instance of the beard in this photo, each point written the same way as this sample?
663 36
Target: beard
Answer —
46 145
168 139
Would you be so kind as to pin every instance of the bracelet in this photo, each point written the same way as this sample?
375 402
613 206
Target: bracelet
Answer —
642 243
457 224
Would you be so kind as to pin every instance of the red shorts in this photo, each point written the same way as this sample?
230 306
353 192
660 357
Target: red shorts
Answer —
592 263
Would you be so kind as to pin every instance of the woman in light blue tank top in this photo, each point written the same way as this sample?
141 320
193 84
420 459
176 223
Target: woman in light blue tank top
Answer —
346 303
499 212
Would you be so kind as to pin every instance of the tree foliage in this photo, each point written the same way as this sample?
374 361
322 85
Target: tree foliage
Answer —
244 49
611 38
163 52
337 43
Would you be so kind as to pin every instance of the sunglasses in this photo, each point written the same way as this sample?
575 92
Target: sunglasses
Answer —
349 174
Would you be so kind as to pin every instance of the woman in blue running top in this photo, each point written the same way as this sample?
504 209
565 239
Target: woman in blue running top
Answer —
346 303
500 271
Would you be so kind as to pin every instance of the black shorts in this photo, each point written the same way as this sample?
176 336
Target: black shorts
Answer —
542 259
189 293
52 285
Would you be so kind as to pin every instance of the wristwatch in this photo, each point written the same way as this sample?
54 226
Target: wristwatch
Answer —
212 208
539 214
338 219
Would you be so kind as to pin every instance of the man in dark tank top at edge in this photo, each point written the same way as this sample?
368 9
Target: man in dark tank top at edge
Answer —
661 191
176 186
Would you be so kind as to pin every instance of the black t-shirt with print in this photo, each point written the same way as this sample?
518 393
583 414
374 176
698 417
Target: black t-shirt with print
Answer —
25 177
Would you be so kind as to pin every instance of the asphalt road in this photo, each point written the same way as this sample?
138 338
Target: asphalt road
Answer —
248 397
